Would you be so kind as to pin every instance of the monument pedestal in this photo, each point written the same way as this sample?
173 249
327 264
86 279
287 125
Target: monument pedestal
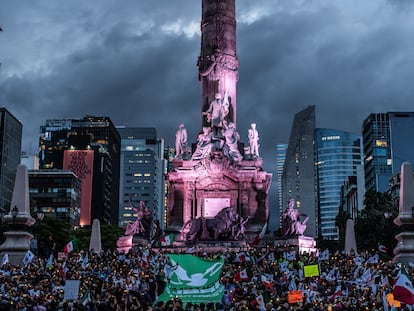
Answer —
18 240
124 243
404 251
301 244
202 188
16 245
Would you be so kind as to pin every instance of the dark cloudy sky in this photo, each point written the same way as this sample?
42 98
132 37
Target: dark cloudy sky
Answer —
135 61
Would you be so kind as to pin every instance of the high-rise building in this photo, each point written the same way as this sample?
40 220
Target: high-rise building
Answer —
298 179
388 142
10 144
281 150
90 147
55 193
142 172
352 193
338 156
30 160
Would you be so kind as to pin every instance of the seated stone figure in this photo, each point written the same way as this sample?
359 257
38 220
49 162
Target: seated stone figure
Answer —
231 137
204 144
141 225
291 224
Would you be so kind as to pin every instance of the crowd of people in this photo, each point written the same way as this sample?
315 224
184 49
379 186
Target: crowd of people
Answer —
114 280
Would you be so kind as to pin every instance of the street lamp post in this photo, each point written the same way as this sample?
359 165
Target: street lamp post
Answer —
14 213
2 212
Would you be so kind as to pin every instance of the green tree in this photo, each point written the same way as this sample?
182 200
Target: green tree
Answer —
109 236
374 223
57 228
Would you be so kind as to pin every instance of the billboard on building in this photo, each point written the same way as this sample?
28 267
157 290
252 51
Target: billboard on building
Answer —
80 162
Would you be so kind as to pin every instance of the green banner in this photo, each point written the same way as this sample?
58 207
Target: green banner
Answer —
311 270
194 279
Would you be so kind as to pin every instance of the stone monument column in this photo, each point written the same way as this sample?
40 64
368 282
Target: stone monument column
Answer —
404 251
218 62
17 241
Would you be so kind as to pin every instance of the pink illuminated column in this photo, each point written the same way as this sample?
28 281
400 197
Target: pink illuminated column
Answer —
218 63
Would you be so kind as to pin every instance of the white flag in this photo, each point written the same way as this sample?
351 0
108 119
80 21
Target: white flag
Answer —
85 262
366 276
324 255
283 266
5 259
50 261
331 275
300 272
243 274
385 301
359 260
290 255
28 257
260 302
292 284
373 259
384 281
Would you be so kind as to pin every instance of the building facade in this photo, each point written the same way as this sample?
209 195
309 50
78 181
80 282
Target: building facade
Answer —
352 193
281 150
298 179
142 172
90 147
55 193
388 142
338 155
10 144
30 160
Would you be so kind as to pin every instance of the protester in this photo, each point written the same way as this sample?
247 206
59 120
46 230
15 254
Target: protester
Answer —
134 281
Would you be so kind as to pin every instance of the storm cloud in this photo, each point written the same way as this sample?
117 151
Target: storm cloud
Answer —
135 61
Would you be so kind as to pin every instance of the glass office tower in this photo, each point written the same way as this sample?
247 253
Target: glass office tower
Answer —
298 178
280 162
10 144
388 142
338 156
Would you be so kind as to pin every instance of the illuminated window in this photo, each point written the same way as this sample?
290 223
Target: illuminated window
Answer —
137 174
129 148
389 162
381 143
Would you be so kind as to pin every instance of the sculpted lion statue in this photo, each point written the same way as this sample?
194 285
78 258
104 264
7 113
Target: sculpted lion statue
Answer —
219 227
